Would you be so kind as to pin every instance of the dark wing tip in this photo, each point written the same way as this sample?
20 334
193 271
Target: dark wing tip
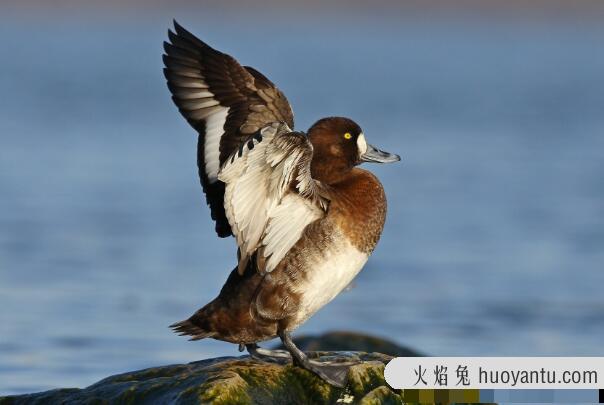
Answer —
167 46
177 26
180 30
172 36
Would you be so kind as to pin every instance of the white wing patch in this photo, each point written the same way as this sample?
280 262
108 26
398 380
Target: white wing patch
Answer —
266 215
214 130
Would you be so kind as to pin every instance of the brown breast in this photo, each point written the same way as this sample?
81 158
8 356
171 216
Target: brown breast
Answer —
358 208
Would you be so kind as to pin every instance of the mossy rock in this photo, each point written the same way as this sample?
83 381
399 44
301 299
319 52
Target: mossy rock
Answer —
242 380
231 380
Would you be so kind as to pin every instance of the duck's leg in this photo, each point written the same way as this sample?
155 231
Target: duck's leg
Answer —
266 354
335 374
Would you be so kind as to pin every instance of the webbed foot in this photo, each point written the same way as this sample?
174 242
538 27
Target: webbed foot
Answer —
266 354
334 373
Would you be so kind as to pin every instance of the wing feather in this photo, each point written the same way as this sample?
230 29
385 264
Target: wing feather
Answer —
270 196
224 101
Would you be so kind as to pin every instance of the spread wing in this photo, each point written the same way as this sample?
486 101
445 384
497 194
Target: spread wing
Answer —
224 101
270 196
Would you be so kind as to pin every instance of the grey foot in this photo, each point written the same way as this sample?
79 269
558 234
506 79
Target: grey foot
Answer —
335 374
265 354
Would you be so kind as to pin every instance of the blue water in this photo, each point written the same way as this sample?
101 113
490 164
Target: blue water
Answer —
494 242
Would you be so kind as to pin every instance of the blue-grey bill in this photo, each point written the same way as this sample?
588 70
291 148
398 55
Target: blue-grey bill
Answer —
375 155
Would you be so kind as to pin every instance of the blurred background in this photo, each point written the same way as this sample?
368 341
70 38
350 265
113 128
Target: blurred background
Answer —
494 242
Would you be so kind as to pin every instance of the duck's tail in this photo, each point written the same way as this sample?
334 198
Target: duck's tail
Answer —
227 317
190 328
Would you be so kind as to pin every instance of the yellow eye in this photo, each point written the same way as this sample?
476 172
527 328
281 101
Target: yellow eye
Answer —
347 135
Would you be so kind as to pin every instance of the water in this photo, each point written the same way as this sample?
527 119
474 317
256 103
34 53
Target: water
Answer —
494 239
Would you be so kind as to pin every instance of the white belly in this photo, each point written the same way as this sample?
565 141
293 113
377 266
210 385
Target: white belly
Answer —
337 267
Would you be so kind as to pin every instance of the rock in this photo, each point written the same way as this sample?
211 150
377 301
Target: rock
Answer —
230 380
240 380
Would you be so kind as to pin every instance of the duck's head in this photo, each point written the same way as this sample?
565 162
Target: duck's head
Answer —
339 145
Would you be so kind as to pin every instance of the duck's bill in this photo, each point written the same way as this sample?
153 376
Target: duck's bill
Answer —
375 155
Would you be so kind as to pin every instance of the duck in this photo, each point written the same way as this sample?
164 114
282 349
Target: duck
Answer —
304 215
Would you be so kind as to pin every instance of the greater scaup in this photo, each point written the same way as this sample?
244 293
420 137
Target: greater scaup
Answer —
304 216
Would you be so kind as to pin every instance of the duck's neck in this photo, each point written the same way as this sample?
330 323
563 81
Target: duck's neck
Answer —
328 170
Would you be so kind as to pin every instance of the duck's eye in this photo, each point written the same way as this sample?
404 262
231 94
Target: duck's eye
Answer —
347 135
